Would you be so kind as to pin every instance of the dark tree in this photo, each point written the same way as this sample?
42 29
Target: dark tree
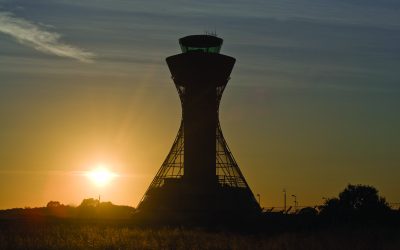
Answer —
363 199
356 202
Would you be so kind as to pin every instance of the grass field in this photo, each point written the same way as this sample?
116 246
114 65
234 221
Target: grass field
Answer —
101 236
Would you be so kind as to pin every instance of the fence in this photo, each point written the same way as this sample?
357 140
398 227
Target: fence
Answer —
294 210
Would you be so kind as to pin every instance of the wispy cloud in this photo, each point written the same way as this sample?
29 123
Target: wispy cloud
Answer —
36 36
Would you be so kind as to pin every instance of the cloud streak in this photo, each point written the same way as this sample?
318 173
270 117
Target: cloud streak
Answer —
32 35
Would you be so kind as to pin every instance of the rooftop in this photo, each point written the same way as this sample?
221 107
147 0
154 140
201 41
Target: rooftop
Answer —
205 43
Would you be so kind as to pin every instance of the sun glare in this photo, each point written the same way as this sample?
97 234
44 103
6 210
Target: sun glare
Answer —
101 176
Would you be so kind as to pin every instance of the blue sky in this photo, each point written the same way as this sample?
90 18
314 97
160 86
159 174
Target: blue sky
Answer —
312 104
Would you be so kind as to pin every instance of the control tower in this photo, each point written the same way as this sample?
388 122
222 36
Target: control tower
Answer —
200 178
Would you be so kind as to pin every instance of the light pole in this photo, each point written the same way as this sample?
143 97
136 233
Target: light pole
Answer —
284 200
295 202
259 199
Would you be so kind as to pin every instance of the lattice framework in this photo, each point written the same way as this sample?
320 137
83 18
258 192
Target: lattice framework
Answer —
227 170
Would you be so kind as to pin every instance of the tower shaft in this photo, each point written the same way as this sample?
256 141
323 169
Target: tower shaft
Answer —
199 75
200 122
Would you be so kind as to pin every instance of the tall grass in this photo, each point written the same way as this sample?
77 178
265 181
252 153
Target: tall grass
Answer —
90 236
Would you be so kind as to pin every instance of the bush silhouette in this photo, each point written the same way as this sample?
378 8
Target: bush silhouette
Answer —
53 204
89 203
308 212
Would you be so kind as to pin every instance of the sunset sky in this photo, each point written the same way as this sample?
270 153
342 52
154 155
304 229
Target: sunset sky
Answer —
312 105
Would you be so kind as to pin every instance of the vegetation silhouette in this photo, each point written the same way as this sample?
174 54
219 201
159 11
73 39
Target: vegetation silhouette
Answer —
356 203
359 218
89 208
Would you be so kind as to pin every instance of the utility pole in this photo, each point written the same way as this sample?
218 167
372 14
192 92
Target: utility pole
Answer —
259 199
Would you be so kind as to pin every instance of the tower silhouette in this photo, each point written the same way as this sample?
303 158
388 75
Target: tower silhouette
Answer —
200 177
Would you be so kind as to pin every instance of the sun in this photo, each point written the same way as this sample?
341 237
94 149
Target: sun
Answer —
101 176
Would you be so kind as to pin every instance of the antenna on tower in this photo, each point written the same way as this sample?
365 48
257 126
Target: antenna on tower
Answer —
211 33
